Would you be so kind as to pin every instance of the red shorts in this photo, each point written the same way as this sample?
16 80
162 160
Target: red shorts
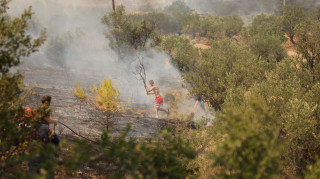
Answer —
159 101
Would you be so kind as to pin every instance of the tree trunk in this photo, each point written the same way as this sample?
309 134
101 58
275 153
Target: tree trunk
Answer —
113 5
292 40
107 123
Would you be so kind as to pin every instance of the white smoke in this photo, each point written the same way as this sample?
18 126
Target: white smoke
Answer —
84 54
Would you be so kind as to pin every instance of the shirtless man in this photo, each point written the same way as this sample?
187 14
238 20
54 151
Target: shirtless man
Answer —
159 100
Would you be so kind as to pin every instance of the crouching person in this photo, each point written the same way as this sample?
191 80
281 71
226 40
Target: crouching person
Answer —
46 135
44 114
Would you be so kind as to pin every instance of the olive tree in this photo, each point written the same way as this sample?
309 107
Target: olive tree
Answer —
308 34
292 17
224 65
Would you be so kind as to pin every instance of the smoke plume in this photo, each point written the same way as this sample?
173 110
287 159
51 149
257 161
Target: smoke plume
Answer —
76 45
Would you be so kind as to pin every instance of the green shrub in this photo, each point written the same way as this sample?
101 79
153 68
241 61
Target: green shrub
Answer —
125 34
178 7
181 50
295 106
250 148
292 17
16 131
219 27
233 25
226 64
268 47
313 171
268 25
308 35
165 156
164 23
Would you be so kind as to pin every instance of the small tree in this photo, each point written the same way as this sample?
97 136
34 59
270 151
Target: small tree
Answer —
178 7
225 64
309 42
292 17
125 34
233 25
268 47
79 93
250 148
268 25
107 99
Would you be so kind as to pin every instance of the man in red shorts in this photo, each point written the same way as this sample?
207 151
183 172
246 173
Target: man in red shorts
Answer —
159 100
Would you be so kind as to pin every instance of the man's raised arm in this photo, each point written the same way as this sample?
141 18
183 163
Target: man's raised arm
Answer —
148 90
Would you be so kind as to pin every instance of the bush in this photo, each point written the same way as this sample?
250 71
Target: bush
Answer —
295 108
164 23
292 17
182 52
308 35
313 171
224 65
211 27
108 100
301 131
178 7
268 47
79 93
218 27
249 148
17 142
268 25
164 156
233 25
191 24
125 34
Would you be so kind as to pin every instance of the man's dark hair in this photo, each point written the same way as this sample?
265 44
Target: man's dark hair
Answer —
45 99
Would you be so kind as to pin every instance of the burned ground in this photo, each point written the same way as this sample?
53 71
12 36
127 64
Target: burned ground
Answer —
57 82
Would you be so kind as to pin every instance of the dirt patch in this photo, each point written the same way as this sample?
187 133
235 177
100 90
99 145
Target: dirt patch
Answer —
201 46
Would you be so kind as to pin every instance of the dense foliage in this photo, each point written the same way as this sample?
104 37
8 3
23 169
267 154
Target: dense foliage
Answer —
266 102
250 148
181 50
15 134
126 34
233 66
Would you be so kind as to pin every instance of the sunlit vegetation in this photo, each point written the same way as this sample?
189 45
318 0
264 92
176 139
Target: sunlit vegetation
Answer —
79 93
107 98
16 142
266 102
